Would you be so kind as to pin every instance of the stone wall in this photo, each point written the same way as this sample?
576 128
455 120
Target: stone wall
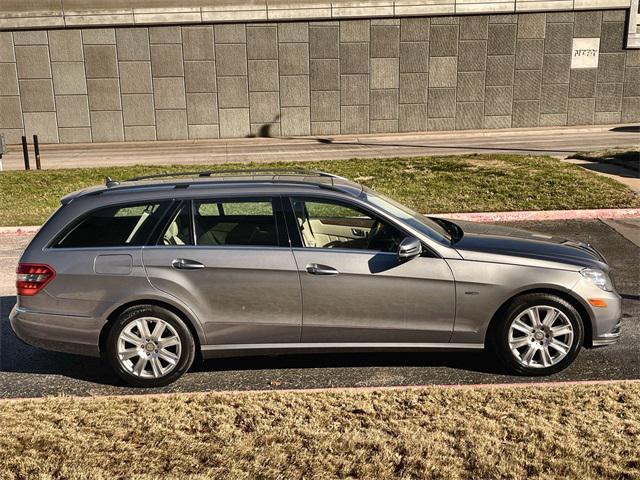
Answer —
315 78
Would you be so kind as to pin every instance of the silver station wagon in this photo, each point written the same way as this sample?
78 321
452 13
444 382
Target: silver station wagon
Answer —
153 272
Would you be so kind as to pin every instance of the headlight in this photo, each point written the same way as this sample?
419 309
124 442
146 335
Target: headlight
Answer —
598 278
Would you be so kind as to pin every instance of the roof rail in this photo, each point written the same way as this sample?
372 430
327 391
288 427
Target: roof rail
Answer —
253 171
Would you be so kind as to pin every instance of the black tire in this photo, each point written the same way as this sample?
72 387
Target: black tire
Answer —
187 354
500 333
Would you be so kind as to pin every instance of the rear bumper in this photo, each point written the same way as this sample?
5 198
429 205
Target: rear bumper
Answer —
68 334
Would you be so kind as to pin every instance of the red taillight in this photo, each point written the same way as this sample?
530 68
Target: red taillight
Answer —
32 277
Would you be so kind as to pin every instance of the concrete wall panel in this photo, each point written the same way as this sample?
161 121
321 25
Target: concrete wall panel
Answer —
138 109
200 77
166 61
42 124
294 58
104 94
171 125
65 45
324 74
37 95
133 44
198 43
100 61
263 76
73 111
33 61
69 78
135 77
9 79
325 77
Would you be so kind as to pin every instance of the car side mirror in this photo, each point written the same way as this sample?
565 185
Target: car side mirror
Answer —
409 248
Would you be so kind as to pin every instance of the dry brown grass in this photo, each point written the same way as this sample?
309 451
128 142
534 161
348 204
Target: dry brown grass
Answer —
569 432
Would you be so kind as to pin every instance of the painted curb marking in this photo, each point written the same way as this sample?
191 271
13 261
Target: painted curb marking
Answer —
354 390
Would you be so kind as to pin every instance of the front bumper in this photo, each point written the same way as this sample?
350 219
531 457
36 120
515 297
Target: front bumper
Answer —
68 334
609 338
605 321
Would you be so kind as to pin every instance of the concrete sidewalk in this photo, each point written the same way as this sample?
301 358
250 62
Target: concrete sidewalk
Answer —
540 141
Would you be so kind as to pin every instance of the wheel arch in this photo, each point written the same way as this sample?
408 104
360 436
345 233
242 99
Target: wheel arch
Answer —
198 336
582 310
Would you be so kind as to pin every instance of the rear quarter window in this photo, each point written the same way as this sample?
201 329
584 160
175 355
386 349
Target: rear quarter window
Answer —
113 226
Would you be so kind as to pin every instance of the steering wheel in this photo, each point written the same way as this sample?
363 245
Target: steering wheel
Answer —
373 233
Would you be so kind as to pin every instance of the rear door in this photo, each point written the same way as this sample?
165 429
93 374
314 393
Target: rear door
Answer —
229 259
101 253
353 286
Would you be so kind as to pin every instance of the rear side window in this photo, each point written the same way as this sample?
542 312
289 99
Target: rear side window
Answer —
242 222
116 226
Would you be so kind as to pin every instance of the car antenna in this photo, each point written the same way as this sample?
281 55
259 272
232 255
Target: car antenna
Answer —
109 182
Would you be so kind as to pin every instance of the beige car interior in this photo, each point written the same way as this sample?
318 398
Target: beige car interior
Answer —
247 224
335 228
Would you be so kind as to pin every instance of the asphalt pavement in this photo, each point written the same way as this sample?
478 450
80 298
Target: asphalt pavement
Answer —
29 372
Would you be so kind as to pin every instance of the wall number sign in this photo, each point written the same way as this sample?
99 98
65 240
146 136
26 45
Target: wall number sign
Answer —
585 53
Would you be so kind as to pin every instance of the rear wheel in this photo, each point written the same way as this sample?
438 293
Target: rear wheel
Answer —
539 334
149 346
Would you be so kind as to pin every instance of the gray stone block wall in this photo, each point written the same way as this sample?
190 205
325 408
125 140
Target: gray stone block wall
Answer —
315 77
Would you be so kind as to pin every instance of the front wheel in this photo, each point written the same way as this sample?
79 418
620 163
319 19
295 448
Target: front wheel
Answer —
149 346
539 334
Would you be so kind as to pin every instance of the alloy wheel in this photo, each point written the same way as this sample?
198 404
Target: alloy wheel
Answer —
540 336
149 347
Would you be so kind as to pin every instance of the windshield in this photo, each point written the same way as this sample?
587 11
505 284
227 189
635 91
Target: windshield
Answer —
412 218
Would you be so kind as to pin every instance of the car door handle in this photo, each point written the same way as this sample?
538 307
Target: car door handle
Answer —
186 264
317 269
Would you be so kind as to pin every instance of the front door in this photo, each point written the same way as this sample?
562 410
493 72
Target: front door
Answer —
354 288
226 262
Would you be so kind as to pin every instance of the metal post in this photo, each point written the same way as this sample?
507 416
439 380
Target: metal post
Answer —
36 149
25 153
3 148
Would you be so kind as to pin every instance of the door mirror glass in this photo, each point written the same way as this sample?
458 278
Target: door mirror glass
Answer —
409 248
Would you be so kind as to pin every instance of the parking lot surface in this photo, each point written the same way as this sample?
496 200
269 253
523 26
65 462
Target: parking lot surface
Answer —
29 372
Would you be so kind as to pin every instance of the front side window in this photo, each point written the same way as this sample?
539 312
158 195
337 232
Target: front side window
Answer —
405 215
235 222
115 226
326 224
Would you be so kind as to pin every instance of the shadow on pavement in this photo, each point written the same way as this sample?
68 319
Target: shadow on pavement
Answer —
609 168
18 357
627 129
330 141
477 362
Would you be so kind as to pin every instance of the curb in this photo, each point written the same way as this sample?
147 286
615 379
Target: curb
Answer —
545 215
481 217
348 390
18 231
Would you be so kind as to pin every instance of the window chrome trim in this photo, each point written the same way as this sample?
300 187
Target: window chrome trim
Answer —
217 247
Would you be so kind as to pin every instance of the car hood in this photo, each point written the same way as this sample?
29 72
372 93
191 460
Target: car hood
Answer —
513 242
